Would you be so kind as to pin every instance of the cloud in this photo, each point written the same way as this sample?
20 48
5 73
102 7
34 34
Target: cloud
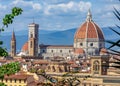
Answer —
67 7
59 14
35 6
2 7
107 15
111 6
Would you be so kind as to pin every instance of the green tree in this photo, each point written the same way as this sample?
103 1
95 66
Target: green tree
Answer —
14 67
2 84
9 68
8 19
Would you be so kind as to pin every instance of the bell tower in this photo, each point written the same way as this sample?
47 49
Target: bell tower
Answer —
13 45
99 65
33 39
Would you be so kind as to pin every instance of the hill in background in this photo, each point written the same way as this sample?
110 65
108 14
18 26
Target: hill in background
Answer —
65 37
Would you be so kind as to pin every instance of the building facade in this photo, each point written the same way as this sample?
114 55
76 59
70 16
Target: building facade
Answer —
33 39
89 37
88 41
86 57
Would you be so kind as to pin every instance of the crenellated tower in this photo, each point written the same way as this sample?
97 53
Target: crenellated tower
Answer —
33 35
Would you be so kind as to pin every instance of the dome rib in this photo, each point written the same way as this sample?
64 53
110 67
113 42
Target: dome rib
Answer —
86 30
95 28
80 32
89 30
100 32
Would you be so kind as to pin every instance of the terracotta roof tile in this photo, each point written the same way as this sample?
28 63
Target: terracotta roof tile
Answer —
2 61
25 47
16 76
41 62
89 30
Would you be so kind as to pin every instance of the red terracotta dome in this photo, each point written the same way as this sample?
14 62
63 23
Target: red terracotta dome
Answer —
89 30
79 51
25 47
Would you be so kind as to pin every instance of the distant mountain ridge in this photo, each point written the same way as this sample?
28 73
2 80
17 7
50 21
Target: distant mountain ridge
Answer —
65 37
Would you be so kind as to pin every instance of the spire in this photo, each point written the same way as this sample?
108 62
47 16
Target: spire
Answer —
13 36
89 16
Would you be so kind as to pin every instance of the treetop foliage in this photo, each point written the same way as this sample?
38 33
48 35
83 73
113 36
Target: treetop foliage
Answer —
8 19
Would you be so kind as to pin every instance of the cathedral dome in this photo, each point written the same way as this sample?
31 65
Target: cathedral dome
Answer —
25 47
89 30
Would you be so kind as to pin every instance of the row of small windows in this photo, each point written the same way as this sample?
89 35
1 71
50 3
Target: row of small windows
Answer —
53 51
60 51
14 80
31 35
91 44
81 44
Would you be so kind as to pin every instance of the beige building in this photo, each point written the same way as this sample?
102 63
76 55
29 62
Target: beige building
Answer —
98 75
18 80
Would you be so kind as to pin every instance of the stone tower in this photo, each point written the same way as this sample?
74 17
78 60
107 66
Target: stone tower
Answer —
33 35
99 65
13 45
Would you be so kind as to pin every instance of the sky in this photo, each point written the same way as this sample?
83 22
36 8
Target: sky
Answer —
59 14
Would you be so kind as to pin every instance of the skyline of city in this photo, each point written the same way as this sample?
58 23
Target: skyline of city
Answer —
82 48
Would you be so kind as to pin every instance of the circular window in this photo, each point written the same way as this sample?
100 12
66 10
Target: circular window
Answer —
81 44
91 44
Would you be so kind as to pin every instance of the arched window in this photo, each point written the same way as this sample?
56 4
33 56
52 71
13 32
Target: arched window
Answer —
49 67
12 46
91 44
43 51
52 51
96 66
53 68
61 51
31 35
59 68
30 44
69 51
81 44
